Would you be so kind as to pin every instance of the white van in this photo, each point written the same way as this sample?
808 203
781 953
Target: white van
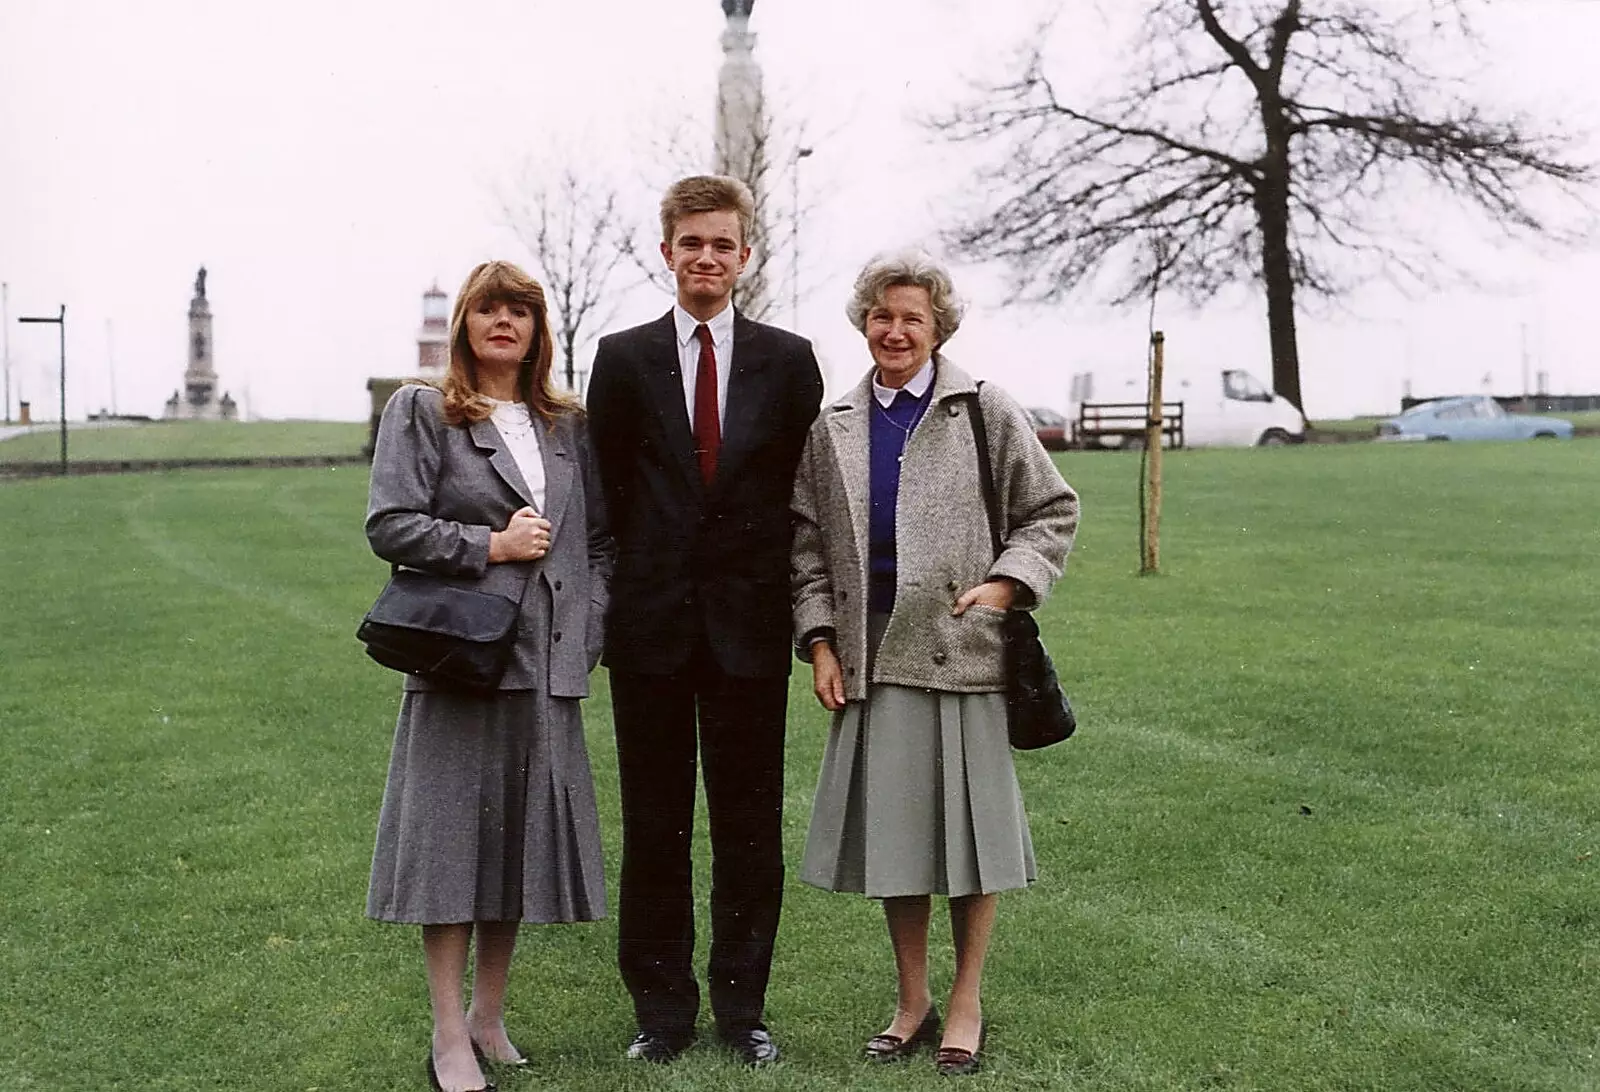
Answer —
1234 409
1230 408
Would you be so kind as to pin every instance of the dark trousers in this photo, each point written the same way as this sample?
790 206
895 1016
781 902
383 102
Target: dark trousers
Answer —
740 736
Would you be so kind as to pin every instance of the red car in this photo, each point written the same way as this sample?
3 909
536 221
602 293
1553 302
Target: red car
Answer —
1050 427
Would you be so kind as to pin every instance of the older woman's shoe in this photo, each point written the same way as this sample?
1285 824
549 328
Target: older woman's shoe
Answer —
892 1048
958 1061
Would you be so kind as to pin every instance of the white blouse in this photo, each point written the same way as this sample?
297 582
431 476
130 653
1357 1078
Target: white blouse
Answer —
521 435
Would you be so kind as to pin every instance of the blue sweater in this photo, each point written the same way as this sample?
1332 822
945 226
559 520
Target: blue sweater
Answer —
890 434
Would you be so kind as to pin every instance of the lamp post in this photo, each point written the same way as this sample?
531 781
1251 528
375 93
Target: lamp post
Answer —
5 325
61 323
794 225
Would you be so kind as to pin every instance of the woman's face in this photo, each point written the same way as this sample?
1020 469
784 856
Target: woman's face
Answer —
499 332
900 333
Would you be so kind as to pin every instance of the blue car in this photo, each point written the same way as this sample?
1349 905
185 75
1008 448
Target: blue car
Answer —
1471 417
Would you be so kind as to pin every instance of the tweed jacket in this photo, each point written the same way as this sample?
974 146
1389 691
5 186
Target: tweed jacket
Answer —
437 492
942 539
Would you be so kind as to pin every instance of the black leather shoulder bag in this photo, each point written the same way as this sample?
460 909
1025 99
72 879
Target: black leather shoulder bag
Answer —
1037 711
455 637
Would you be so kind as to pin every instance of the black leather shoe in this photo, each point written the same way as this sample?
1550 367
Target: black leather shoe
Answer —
649 1046
960 1062
754 1046
433 1079
892 1048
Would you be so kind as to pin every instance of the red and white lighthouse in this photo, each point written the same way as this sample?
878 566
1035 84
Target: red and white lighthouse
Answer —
433 339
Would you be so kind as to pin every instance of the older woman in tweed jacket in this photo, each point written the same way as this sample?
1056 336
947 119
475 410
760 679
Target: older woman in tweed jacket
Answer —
898 600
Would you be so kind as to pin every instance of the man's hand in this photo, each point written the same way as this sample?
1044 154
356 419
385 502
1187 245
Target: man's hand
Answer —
998 593
526 538
827 680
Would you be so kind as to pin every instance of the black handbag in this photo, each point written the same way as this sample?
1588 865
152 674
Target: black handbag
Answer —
455 637
1037 711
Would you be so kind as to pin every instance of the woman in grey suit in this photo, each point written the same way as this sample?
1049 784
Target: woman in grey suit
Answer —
898 600
489 815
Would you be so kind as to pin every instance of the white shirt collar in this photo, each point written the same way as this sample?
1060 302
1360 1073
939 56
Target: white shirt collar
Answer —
721 325
916 386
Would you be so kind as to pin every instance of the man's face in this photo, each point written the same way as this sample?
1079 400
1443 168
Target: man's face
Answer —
706 256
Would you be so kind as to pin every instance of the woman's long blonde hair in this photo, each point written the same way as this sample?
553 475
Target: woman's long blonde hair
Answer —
500 282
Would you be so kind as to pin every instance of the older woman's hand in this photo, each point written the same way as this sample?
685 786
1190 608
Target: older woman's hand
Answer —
999 594
827 680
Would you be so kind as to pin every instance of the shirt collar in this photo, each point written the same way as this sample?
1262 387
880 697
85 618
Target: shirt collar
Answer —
721 324
916 386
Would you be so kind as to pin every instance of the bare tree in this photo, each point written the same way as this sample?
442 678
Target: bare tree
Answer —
578 239
1284 143
769 163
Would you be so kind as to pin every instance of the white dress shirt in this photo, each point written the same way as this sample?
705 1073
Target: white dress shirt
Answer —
915 386
521 435
689 356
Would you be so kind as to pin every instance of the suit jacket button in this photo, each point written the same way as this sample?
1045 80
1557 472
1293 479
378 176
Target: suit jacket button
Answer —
952 585
556 637
954 410
939 657
850 671
558 585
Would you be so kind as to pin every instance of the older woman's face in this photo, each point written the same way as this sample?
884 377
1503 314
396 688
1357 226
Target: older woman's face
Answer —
499 332
900 333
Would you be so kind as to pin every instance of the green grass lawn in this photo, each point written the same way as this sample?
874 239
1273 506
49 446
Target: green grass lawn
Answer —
190 440
1329 822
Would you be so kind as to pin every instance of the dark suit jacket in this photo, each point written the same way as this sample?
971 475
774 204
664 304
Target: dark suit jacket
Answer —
693 560
437 492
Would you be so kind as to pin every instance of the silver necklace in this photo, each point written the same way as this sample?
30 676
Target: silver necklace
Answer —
905 432
513 420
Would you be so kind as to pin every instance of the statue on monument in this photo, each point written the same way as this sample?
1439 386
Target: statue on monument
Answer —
200 284
730 8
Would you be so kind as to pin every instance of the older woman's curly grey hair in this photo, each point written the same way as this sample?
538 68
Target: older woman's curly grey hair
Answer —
911 268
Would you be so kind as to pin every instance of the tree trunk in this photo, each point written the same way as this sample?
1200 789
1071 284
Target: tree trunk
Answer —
1277 266
569 344
1278 276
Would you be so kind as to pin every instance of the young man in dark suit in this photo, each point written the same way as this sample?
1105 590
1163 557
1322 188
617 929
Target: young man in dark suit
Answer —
698 419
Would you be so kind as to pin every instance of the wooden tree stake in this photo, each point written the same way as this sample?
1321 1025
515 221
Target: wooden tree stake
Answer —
1150 557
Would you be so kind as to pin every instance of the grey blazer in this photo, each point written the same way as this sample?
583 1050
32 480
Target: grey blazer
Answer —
942 537
437 492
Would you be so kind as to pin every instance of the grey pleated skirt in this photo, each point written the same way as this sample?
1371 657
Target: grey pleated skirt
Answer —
489 813
918 796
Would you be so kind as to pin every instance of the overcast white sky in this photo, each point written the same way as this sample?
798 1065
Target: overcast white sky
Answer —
327 160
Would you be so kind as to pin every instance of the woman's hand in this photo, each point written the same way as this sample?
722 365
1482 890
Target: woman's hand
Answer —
526 538
827 680
998 593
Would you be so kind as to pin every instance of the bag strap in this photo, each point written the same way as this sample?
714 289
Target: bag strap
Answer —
980 436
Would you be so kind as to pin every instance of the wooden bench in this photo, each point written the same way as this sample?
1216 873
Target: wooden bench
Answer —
1099 421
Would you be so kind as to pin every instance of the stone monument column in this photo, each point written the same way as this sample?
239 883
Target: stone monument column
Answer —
742 144
739 146
199 399
200 377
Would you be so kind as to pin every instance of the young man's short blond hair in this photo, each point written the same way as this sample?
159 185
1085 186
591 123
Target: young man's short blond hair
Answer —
707 193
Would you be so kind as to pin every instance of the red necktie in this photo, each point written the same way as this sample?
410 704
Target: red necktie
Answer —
707 429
